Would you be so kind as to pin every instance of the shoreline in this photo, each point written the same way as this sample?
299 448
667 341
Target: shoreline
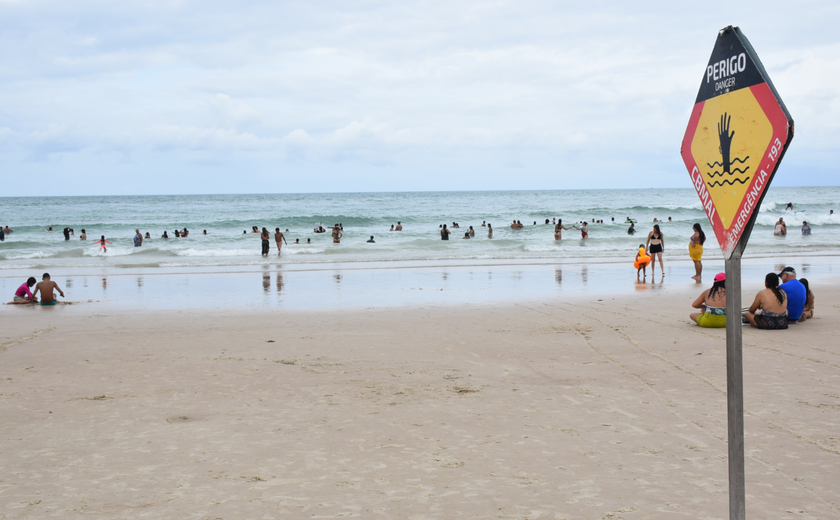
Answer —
407 284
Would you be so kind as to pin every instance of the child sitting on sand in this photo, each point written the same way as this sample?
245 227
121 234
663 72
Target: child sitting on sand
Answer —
642 260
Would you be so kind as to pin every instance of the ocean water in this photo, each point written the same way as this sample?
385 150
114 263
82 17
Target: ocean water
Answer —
364 214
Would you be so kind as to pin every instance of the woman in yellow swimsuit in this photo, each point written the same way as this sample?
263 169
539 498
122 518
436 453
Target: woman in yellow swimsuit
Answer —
695 250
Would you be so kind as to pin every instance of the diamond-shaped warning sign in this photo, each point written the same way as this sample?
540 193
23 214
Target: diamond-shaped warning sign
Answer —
736 137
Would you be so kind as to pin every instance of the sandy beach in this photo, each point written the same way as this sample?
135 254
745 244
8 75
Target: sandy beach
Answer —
600 407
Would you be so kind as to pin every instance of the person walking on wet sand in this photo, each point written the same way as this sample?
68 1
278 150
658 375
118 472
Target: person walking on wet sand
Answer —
46 287
101 242
264 236
279 239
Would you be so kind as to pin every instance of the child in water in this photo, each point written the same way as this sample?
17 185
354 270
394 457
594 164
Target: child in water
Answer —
642 261
101 242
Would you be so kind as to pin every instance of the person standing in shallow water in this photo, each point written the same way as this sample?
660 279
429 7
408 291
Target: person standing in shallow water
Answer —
695 250
655 246
264 236
279 238
444 233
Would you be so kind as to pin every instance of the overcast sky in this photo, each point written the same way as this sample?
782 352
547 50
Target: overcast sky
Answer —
103 97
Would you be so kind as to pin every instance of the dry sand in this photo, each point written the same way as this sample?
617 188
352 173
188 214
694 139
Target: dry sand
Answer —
596 409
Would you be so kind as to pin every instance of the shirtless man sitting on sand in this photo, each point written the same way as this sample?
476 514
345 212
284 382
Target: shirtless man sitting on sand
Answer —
46 287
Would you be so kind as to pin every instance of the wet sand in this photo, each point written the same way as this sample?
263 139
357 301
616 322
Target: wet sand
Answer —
596 406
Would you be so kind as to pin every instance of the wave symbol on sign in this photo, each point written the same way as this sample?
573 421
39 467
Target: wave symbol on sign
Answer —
726 163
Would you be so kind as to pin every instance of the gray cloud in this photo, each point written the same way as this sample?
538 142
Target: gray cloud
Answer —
430 95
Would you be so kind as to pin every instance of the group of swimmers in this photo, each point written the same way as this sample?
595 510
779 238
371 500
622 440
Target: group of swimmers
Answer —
785 300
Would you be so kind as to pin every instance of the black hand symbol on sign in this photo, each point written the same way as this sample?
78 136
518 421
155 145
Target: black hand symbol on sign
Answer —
725 140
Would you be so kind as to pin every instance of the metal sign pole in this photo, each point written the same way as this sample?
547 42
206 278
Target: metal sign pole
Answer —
735 386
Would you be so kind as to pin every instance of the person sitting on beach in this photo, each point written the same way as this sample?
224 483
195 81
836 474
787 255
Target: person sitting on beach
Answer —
371 239
806 229
641 262
399 226
780 229
83 236
46 288
164 235
769 309
797 295
712 304
471 232
632 229
23 295
808 309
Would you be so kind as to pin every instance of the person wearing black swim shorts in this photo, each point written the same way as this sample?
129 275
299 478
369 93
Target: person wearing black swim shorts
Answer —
655 246
769 309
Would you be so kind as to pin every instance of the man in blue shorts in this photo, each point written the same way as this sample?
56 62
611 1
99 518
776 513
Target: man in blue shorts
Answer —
796 293
47 286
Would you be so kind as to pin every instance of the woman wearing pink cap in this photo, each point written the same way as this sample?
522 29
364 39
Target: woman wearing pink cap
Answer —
712 304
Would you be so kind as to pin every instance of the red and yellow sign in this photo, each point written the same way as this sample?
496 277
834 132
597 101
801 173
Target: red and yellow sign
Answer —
736 137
